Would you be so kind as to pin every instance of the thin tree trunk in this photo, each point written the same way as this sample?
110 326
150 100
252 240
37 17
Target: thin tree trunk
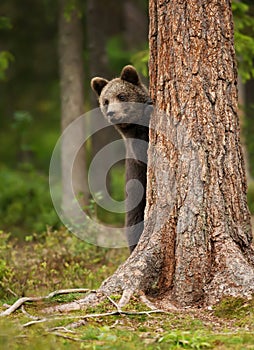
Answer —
72 104
136 25
196 244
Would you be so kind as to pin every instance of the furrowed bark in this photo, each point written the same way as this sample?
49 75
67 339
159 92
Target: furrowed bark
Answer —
197 242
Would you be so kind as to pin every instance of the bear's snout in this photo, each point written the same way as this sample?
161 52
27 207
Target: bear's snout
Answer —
111 114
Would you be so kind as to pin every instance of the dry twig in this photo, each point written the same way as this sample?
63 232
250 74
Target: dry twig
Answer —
84 317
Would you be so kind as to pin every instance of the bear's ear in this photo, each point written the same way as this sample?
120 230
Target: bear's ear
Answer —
97 84
130 74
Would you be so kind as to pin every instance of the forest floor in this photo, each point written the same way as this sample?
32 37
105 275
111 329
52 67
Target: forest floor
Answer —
58 260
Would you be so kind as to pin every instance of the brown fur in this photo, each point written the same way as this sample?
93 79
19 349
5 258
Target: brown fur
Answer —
125 117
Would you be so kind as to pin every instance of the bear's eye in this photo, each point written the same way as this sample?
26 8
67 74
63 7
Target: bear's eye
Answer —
105 102
122 97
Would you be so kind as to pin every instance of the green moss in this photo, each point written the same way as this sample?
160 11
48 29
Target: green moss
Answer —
234 308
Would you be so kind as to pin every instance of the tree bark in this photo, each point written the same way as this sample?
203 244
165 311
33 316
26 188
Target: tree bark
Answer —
72 104
196 245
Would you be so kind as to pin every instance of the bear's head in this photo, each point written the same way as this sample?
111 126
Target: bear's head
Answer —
122 100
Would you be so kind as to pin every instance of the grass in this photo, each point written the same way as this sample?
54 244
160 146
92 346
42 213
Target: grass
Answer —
58 260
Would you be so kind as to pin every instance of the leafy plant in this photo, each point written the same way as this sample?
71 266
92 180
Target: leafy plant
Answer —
185 340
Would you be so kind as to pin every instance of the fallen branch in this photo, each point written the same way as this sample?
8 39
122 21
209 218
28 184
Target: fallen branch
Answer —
24 300
18 304
68 337
84 317
62 329
115 304
28 314
68 291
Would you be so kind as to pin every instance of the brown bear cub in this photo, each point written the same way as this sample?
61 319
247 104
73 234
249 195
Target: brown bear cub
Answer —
125 102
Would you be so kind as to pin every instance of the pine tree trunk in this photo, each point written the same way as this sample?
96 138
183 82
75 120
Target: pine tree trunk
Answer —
72 104
136 25
196 244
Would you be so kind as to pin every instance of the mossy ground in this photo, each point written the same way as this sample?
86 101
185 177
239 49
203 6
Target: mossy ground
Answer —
59 260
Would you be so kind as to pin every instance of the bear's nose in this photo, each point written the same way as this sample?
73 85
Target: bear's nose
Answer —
110 114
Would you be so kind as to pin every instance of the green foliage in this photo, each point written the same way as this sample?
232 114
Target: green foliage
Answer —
5 59
25 202
5 22
70 7
140 61
22 125
244 38
185 340
53 260
21 120
118 55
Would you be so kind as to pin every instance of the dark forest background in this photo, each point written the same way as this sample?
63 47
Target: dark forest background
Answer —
115 33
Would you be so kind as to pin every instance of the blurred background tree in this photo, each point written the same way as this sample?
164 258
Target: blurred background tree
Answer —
114 34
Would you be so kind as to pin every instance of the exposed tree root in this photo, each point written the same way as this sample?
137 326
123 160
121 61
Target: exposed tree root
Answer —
24 300
232 276
126 296
92 298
